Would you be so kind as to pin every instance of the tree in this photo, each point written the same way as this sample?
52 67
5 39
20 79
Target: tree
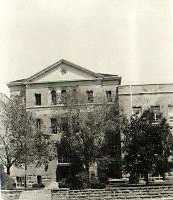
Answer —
22 143
147 146
93 132
114 124
82 133
43 149
86 136
15 128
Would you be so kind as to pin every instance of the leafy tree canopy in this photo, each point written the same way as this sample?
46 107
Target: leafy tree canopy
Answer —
147 146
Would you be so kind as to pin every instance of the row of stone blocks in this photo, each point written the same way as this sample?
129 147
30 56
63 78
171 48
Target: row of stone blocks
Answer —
10 194
122 193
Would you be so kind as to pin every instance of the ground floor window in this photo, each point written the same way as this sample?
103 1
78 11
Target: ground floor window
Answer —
39 180
20 181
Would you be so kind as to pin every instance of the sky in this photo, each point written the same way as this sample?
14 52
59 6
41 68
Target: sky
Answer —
131 38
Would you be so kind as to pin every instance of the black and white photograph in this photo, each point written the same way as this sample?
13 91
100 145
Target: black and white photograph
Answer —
86 99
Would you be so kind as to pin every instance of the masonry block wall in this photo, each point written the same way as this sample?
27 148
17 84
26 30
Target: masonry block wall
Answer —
135 193
46 110
146 96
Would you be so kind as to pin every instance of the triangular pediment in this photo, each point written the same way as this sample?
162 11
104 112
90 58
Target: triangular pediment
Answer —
63 71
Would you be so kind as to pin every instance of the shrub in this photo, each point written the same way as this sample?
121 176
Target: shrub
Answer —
96 184
63 183
8 183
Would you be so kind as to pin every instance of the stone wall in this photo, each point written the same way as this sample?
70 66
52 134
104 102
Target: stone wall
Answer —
145 96
10 194
99 91
47 110
149 192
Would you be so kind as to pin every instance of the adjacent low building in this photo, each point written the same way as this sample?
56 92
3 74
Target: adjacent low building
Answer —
133 99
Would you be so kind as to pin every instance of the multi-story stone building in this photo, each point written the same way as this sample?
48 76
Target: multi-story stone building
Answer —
45 95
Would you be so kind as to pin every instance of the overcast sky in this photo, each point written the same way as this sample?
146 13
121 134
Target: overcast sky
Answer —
131 38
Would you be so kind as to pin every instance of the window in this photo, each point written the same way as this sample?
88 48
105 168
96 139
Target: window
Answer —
137 110
38 124
64 123
156 113
20 181
63 96
109 96
58 97
38 99
90 96
74 96
170 116
46 166
39 180
53 125
53 95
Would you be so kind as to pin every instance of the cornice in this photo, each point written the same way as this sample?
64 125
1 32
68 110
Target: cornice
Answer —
74 83
145 93
52 107
56 65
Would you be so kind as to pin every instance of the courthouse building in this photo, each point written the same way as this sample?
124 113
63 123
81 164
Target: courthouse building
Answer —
45 94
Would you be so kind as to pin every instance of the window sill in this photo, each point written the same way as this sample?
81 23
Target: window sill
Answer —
64 105
63 164
155 123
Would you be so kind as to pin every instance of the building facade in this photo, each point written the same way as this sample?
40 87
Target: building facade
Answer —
46 94
133 99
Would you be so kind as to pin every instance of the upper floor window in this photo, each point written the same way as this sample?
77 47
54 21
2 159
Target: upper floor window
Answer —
90 96
170 119
74 96
38 99
53 125
38 124
109 95
53 96
156 113
63 96
170 115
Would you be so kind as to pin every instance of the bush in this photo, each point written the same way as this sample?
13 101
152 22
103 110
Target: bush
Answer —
64 183
78 181
83 180
103 169
8 183
96 184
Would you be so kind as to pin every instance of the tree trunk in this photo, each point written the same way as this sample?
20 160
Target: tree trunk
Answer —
25 183
87 166
146 178
87 169
8 170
